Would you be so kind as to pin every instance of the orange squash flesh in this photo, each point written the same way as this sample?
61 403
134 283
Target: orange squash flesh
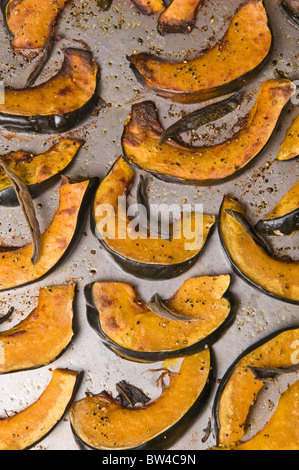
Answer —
32 22
27 428
128 323
179 17
203 165
224 68
16 268
149 7
240 389
43 335
101 423
150 251
289 148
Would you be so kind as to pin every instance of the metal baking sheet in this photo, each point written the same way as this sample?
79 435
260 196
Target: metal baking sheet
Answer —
112 35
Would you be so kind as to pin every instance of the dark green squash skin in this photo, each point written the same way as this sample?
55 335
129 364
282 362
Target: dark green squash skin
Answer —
93 182
286 225
242 275
228 374
167 439
147 271
150 357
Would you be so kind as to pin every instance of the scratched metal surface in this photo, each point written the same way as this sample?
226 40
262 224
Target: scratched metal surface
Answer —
111 36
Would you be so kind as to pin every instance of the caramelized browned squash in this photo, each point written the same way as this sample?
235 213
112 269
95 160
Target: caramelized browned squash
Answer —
147 256
30 426
239 388
31 22
179 17
149 7
128 325
289 148
43 335
173 161
276 277
100 422
223 69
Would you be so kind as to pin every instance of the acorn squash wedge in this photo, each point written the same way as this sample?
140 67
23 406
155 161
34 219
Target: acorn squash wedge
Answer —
289 148
281 432
16 268
239 388
284 219
129 326
176 162
27 428
38 172
31 23
179 17
149 7
144 255
58 104
43 336
252 259
228 66
100 422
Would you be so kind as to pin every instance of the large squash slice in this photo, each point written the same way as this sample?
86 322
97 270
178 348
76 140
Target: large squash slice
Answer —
284 219
289 148
281 432
276 277
100 422
173 161
128 326
43 336
58 104
31 23
25 429
179 17
146 256
228 66
37 172
16 268
239 387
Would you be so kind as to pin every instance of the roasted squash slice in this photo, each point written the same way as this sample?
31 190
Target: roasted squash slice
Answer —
175 162
251 260
179 17
281 432
147 256
129 326
100 422
239 387
16 268
31 23
228 66
27 428
58 104
149 7
284 219
289 148
37 172
43 336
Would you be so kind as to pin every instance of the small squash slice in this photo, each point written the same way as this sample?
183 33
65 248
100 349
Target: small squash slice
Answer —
32 23
284 219
134 330
239 388
289 148
281 432
38 172
58 104
147 256
251 260
179 17
16 268
228 66
176 162
43 336
27 428
100 422
149 7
